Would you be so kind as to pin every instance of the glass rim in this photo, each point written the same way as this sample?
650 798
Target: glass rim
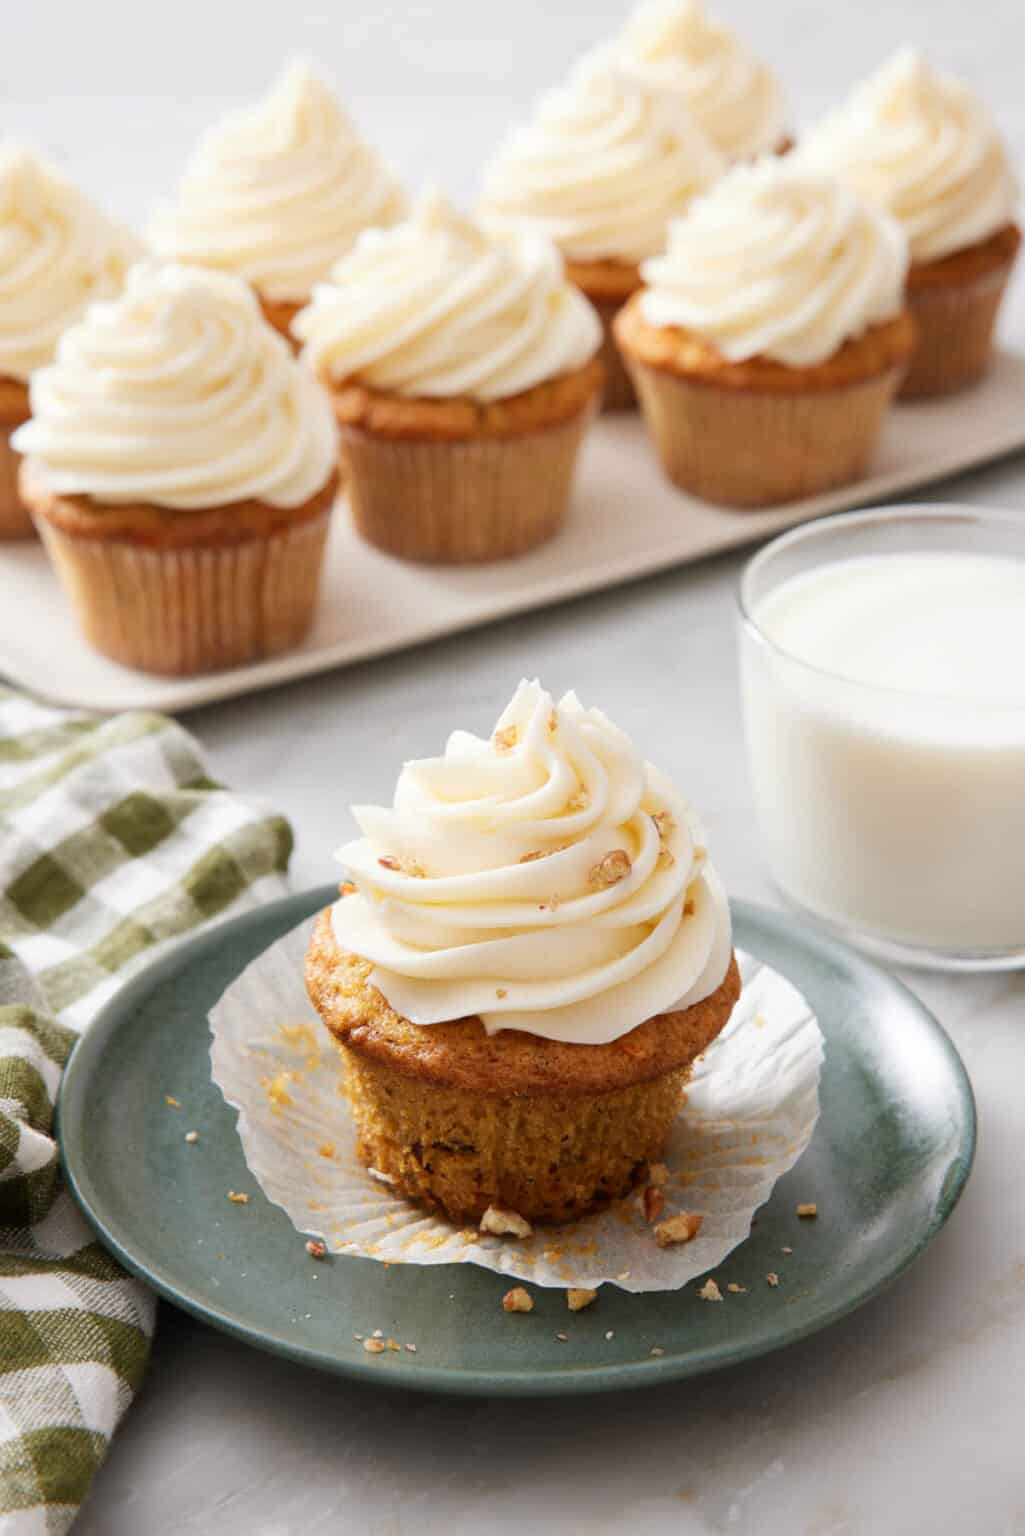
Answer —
951 513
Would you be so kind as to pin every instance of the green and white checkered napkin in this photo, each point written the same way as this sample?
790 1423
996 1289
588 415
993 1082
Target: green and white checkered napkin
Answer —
113 842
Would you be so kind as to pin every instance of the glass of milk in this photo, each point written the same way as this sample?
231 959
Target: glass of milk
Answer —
882 662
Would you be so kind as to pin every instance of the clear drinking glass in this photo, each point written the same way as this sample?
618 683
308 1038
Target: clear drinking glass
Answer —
894 817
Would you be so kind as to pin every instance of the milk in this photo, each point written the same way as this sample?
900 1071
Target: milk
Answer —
888 757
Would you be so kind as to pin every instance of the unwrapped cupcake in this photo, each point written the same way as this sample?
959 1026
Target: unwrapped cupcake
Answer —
771 337
600 169
180 466
463 369
277 194
532 953
923 147
57 254
733 96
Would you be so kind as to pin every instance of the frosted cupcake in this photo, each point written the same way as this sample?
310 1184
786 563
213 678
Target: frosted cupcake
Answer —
923 147
733 96
601 168
180 467
532 953
771 337
463 372
277 194
57 254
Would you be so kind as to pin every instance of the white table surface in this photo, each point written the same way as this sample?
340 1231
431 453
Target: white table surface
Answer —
904 1419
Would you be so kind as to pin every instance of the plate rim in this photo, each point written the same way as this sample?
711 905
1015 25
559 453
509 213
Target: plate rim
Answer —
567 1379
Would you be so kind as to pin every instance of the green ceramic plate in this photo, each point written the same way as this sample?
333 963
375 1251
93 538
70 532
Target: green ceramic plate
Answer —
889 1159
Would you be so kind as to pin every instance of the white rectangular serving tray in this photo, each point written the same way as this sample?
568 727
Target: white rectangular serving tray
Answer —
626 521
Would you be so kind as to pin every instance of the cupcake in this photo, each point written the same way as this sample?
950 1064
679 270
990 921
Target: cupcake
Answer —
277 194
57 254
463 373
734 98
602 167
180 467
771 337
533 951
924 148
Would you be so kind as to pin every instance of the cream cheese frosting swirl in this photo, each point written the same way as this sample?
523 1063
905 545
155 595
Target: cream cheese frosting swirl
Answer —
57 254
780 262
924 147
602 167
547 880
733 96
178 393
436 307
278 193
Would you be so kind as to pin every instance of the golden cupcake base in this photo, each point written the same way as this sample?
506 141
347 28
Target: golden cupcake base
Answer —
756 433
549 1159
955 302
455 481
183 593
460 1120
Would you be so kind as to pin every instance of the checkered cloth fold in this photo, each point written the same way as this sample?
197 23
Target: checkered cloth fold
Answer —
113 842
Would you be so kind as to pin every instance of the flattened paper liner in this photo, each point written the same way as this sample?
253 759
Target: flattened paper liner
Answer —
751 1108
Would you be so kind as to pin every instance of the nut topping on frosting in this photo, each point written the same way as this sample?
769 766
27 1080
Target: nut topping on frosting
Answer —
580 942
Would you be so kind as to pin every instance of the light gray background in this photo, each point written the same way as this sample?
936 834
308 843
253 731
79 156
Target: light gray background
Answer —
905 1419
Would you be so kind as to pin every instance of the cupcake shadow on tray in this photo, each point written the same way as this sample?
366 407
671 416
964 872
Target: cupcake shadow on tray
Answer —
653 234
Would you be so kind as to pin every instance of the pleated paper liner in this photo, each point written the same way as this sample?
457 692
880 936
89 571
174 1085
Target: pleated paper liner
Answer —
752 1105
455 502
955 332
183 611
746 448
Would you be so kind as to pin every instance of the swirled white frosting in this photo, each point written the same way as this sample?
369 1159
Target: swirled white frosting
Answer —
547 879
436 307
57 254
734 97
925 148
180 394
602 167
780 262
278 193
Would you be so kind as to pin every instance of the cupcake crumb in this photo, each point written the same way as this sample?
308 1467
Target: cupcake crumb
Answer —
710 1291
808 1211
505 739
374 1346
678 1229
171 1101
326 1149
389 861
501 992
772 1277
578 1297
784 1249
517 1300
735 1289
657 1351
192 1137
562 1337
502 1222
411 1349
653 1202
238 1197
316 1249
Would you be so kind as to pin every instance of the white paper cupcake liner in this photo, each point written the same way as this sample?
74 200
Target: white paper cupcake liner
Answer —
752 1105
